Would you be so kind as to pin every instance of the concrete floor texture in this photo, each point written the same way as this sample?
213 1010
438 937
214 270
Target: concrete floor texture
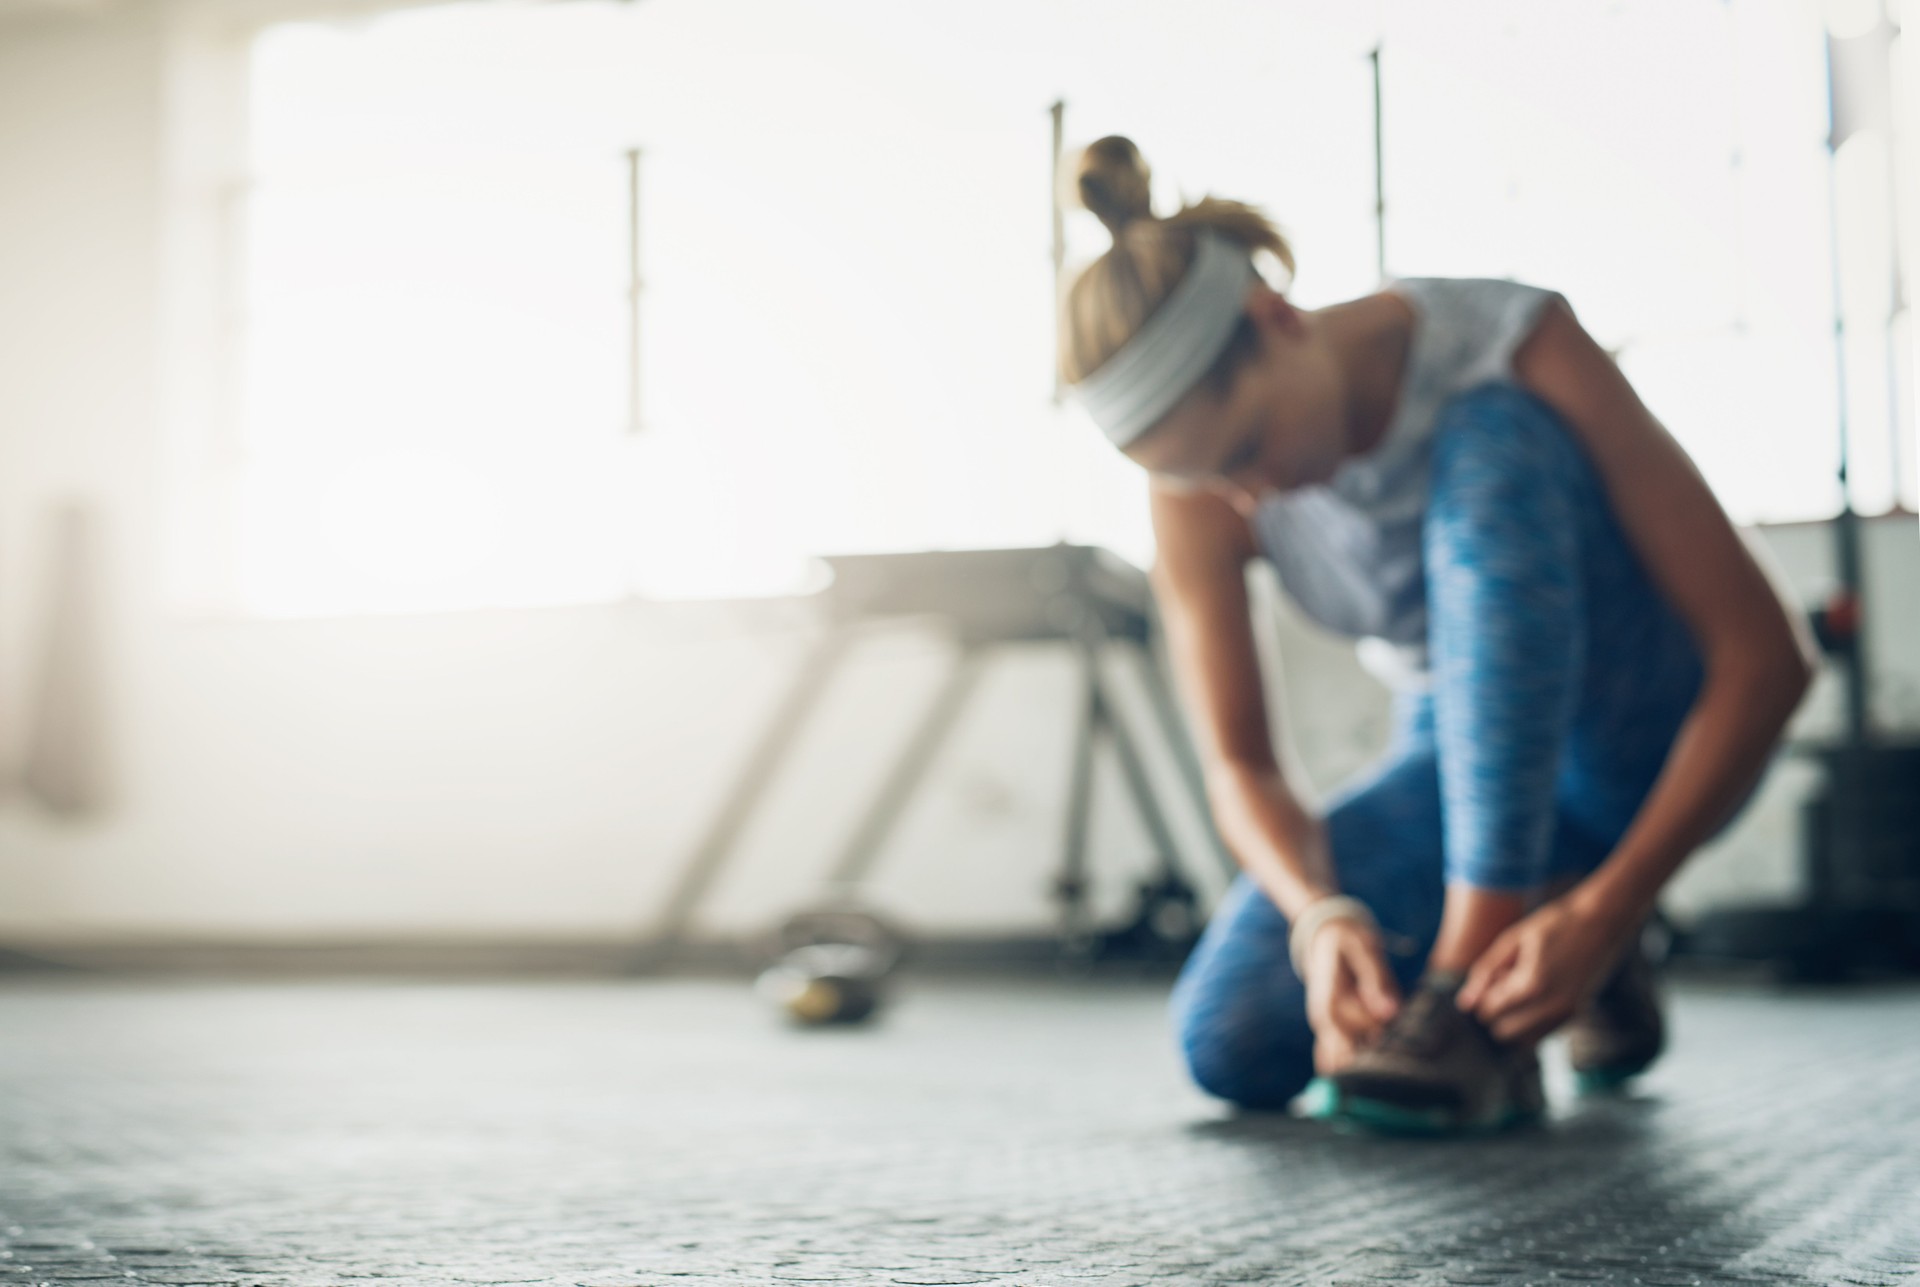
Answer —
614 1134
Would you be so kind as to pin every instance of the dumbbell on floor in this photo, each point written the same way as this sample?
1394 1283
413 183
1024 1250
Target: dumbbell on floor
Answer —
831 966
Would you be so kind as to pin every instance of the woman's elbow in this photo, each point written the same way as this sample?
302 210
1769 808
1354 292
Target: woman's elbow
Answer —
1772 677
1797 663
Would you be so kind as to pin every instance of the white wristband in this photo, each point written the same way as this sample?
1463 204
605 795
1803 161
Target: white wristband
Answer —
1318 913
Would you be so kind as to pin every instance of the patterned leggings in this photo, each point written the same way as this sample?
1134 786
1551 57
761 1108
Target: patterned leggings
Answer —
1560 678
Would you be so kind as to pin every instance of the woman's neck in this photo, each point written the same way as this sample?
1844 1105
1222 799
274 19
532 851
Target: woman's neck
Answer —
1370 338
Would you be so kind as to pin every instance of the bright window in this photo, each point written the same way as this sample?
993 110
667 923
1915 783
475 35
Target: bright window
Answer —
847 317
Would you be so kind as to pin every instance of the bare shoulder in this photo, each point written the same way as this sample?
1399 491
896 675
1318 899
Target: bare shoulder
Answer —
1668 512
1200 537
1566 367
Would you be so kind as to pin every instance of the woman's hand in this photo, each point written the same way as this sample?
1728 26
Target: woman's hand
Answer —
1350 991
1533 977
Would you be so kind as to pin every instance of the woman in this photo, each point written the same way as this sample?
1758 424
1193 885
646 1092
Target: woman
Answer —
1591 669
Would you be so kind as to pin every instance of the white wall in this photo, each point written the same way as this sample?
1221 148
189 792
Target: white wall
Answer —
79 227
535 774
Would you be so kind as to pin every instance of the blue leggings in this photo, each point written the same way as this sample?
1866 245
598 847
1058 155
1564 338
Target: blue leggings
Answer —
1560 678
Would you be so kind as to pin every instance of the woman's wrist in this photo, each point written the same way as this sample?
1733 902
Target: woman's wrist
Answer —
1604 903
1293 903
1278 840
1316 916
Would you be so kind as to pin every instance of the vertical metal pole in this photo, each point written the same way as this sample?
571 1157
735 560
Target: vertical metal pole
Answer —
1059 114
1070 887
1139 782
1899 394
1846 524
633 290
856 860
230 439
736 808
1174 728
1379 171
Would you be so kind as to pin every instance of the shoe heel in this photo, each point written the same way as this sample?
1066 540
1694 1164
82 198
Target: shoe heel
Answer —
1320 1101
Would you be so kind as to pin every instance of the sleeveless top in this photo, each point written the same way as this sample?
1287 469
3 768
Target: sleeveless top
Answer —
1348 551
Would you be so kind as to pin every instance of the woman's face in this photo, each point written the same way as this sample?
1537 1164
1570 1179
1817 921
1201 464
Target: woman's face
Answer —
1280 426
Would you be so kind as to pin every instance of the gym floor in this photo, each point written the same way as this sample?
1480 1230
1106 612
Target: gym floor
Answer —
613 1134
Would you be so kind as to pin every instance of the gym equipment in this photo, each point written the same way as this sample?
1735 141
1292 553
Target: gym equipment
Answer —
1080 595
1860 841
1859 833
831 966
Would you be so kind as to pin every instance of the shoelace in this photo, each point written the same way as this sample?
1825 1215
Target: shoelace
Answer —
1407 1033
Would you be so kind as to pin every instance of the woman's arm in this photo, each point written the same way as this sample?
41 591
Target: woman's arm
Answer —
1757 658
1199 579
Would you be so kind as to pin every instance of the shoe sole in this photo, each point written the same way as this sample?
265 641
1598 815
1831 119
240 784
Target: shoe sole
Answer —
1323 1101
1607 1081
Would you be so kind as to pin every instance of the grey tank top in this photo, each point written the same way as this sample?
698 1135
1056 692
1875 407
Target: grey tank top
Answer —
1348 550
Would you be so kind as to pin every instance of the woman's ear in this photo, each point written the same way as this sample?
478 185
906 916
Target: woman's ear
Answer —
1269 307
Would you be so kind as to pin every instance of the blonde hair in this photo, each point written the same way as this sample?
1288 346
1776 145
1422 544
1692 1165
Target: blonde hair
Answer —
1110 301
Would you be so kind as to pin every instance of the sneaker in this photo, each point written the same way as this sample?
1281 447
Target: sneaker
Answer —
1434 1071
1621 1031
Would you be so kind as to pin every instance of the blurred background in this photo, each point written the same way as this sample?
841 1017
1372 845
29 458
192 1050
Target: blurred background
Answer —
420 426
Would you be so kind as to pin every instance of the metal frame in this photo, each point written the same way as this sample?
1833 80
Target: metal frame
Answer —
1099 719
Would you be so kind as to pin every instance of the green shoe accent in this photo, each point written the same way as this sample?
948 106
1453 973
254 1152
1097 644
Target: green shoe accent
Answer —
1383 1118
1323 1102
1320 1100
1605 1081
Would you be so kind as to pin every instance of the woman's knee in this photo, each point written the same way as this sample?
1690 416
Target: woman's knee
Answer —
1503 541
1504 460
1247 1062
1504 417
1239 1015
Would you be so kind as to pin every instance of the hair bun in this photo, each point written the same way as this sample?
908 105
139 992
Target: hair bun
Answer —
1114 182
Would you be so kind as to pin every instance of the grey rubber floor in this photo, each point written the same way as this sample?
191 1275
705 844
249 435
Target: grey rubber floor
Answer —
615 1134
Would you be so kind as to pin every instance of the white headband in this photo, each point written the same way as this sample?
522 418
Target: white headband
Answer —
1153 370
